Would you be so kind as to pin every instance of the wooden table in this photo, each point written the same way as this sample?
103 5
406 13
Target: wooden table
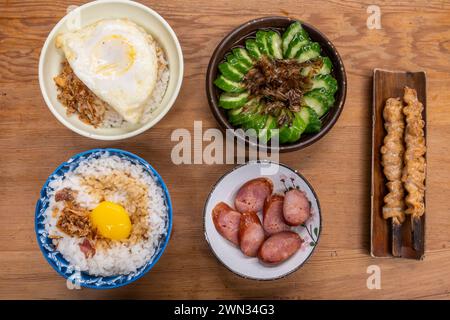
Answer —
414 36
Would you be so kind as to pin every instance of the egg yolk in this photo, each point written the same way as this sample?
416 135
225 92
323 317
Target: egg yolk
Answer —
111 220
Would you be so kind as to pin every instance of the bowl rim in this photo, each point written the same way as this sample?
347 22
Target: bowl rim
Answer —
294 172
224 123
150 123
169 217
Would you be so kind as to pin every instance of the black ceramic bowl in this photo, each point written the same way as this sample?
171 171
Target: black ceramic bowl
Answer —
237 37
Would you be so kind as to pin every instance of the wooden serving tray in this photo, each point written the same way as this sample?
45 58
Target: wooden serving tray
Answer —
387 84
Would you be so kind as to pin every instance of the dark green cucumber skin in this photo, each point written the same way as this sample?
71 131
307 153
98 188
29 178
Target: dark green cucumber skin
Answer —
298 127
284 134
325 99
265 133
221 83
238 52
252 48
274 50
326 68
331 84
261 41
314 125
289 34
226 104
227 71
238 63
243 117
299 41
310 47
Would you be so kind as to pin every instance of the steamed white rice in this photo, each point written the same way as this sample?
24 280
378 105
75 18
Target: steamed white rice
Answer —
121 258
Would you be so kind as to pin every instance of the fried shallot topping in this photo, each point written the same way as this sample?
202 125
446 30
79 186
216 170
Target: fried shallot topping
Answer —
279 82
75 221
77 98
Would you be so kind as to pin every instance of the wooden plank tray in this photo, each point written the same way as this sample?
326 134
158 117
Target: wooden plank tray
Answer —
387 84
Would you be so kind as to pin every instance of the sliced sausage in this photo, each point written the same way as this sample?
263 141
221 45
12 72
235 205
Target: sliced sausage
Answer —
251 234
226 221
273 221
296 207
279 247
252 195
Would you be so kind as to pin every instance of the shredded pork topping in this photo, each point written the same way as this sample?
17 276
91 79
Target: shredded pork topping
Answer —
74 221
279 82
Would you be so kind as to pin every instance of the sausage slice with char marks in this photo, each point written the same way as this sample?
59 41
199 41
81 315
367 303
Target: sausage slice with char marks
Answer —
252 195
226 220
273 221
251 234
296 207
280 247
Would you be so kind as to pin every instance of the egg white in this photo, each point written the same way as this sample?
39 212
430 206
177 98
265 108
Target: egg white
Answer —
116 59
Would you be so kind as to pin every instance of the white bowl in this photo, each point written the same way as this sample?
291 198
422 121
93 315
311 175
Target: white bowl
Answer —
51 58
231 256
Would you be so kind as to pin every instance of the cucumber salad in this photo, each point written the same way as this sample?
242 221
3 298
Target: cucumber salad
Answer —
277 82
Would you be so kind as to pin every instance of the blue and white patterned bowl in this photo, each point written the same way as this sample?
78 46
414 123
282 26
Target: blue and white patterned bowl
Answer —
55 258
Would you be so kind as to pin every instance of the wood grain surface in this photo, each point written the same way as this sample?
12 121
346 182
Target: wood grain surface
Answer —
415 36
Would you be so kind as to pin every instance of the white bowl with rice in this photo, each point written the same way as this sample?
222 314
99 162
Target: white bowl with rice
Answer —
86 101
80 237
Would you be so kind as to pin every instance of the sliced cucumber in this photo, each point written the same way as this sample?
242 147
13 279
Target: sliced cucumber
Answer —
262 42
284 134
285 130
228 85
304 114
233 100
235 114
299 41
230 72
325 69
256 121
314 123
253 49
265 133
243 55
298 127
289 34
238 63
326 82
274 43
243 114
327 65
308 52
319 100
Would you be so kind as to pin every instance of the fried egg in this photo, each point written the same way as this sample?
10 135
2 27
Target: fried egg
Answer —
116 59
111 220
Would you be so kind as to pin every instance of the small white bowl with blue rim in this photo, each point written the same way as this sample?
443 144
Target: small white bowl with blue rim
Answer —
55 258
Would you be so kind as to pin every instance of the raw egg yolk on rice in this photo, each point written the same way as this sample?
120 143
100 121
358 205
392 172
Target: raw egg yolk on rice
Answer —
111 220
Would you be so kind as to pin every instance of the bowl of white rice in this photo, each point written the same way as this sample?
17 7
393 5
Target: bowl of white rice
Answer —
111 69
103 218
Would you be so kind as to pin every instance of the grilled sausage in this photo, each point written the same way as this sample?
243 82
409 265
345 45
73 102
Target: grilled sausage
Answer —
251 234
279 247
252 195
296 207
226 221
273 221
